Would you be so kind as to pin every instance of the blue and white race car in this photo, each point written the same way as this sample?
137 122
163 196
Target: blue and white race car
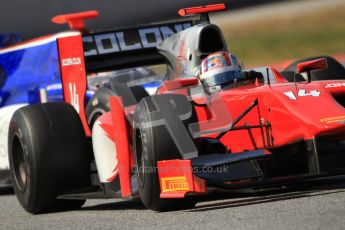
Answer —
32 71
19 86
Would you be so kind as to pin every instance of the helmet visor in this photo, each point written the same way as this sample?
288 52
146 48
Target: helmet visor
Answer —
227 77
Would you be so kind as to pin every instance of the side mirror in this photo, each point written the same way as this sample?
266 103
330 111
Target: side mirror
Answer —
308 66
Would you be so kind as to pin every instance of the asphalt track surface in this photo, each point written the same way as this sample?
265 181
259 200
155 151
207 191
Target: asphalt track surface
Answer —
308 205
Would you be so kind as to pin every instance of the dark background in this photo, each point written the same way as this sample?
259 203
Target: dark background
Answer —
32 17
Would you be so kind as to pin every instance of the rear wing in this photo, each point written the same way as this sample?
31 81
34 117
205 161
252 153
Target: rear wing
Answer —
125 48
130 47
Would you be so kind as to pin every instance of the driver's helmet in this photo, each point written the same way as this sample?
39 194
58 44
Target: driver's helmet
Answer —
219 70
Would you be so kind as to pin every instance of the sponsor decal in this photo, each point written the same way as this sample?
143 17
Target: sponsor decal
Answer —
171 184
132 39
337 119
54 86
216 62
335 85
71 61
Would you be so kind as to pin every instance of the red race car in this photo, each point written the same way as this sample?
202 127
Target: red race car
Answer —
208 122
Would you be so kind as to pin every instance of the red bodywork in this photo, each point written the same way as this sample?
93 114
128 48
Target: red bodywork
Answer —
73 74
286 113
290 121
202 9
313 112
76 21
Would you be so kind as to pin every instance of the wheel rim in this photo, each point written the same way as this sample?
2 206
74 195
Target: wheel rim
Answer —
20 168
140 157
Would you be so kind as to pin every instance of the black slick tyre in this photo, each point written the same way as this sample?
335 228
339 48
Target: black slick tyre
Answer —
100 102
152 144
48 156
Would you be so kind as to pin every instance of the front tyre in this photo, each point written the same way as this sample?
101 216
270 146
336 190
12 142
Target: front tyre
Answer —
152 144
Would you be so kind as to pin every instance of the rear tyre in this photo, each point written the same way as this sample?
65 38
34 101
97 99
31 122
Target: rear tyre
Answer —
100 103
48 156
152 144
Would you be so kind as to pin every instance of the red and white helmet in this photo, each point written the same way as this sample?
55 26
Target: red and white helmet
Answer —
220 69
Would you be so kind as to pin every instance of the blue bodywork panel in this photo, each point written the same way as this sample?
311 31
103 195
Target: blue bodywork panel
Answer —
24 72
27 71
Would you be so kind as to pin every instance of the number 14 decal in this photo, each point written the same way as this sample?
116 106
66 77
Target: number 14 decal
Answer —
302 93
